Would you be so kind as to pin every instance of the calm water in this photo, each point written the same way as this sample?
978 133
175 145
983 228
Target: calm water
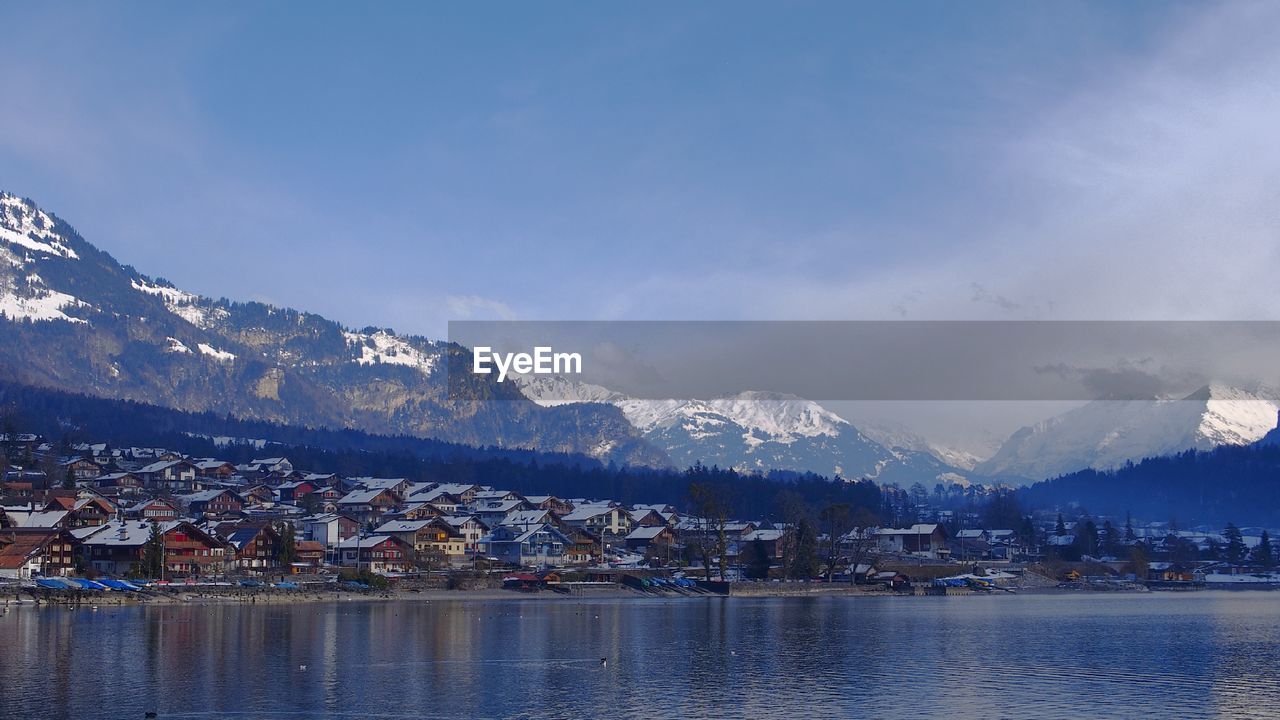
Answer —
1162 655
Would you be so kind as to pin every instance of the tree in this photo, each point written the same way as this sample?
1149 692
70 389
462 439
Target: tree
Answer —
153 554
1264 555
1129 534
805 562
1060 527
288 546
836 522
69 480
1138 561
757 560
710 505
1236 550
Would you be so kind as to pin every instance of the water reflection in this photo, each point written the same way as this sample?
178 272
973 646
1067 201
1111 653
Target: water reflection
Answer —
1192 655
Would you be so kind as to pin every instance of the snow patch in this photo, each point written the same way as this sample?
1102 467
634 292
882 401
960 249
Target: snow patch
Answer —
188 306
386 348
176 346
215 353
29 227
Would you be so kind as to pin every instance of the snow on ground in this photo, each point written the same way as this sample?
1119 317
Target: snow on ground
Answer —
188 306
215 353
383 347
31 228
44 305
176 346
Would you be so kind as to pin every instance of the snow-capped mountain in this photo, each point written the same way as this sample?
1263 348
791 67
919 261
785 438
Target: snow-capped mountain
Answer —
72 318
1108 433
753 431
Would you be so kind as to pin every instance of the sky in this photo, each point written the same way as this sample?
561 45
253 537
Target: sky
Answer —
406 164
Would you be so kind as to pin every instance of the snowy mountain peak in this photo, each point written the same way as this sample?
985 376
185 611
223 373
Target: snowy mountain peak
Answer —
23 225
1108 433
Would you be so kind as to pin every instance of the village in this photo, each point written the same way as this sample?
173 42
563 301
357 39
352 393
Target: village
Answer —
125 518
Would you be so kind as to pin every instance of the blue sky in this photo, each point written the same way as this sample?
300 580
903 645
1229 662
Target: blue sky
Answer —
403 164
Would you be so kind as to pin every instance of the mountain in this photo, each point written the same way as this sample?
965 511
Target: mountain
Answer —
1106 434
753 431
74 319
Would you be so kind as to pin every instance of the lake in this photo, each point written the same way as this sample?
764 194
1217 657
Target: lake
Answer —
1205 654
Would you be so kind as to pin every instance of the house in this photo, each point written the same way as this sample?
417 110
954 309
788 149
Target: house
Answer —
419 511
471 529
770 538
585 547
464 492
329 529
398 486
648 517
525 519
447 503
82 511
295 490
79 468
493 513
273 466
213 503
484 497
34 552
549 502
120 548
433 541
602 520
154 510
255 545
215 469
118 480
311 555
650 536
174 475
537 547
368 506
380 554
927 539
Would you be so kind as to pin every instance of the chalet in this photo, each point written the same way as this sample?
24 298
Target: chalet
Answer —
215 469
368 506
295 490
118 480
419 511
33 552
431 540
259 494
255 546
82 511
154 510
602 520
549 502
543 546
213 503
377 553
649 536
647 517
927 539
79 468
464 492
169 474
398 486
273 465
329 529
311 555
584 548
119 548
484 497
525 519
471 529
439 498
38 518
770 538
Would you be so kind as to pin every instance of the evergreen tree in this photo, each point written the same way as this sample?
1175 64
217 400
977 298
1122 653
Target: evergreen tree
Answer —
1060 527
1129 534
153 554
1236 550
69 480
1264 555
288 546
757 560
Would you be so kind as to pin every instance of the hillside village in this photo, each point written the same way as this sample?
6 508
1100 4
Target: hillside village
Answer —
153 514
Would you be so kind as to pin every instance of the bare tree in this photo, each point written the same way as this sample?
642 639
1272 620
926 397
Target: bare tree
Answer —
836 523
711 506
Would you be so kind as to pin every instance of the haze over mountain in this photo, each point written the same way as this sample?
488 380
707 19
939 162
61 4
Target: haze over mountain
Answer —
755 431
77 320
1106 434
